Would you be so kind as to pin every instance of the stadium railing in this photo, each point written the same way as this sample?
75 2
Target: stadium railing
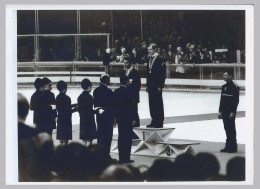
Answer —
206 75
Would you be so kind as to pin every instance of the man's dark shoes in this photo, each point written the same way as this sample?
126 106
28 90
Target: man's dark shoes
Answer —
228 150
150 126
126 161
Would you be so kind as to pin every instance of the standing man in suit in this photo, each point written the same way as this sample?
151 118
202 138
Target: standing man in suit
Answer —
156 74
104 100
135 86
227 111
125 119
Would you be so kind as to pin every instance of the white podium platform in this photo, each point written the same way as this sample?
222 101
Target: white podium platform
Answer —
154 142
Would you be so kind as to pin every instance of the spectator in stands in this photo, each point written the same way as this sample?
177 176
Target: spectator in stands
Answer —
170 57
51 112
123 55
39 107
193 55
85 108
161 170
156 74
180 58
236 169
142 54
65 110
184 168
205 56
223 58
125 119
108 57
32 158
215 59
105 100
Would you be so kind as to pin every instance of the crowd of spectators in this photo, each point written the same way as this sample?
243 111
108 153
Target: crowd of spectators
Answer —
39 160
204 30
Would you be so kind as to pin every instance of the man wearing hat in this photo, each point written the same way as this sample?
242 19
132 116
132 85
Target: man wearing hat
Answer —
156 74
105 101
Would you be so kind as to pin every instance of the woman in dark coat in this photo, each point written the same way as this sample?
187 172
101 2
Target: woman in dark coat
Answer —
88 130
65 110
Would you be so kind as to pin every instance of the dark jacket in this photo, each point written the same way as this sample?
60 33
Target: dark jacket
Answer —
229 97
39 107
107 58
156 76
135 83
87 120
25 131
124 103
50 113
64 123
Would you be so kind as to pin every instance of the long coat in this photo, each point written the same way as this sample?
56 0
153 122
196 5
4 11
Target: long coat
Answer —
50 113
64 123
87 120
39 107
135 83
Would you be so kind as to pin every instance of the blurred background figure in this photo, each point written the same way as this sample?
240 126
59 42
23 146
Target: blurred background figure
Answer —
236 169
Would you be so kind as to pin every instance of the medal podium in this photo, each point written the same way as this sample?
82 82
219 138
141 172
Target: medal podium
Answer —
154 142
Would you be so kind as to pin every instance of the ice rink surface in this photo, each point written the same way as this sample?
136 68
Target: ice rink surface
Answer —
175 104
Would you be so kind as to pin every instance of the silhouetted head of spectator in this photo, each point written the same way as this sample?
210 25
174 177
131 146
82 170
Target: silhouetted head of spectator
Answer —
62 86
23 107
124 80
117 173
161 170
108 51
48 83
188 45
105 79
95 163
179 49
123 50
236 169
207 166
39 85
184 168
71 162
144 45
169 47
86 84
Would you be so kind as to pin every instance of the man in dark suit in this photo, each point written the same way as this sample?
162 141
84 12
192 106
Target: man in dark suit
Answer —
105 101
156 73
227 111
135 86
125 119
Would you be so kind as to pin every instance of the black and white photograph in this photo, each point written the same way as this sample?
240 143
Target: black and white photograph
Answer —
130 94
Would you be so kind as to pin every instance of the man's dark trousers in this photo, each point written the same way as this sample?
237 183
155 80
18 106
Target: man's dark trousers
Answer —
229 126
156 107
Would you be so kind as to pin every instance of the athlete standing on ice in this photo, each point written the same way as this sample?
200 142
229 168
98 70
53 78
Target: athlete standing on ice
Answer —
227 111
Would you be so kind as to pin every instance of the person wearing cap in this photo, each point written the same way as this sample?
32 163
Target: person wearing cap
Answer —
105 101
227 111
135 86
125 119
156 74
